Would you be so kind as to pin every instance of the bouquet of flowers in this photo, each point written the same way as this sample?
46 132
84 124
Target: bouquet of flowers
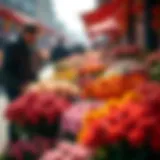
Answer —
106 108
28 150
72 119
68 151
37 113
88 73
91 68
63 88
130 130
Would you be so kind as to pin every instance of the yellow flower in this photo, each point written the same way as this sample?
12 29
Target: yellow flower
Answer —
100 112
130 96
113 102
82 134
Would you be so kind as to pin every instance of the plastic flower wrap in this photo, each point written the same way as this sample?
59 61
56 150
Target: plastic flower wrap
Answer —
72 119
131 128
38 113
91 68
63 88
68 151
124 67
124 51
28 149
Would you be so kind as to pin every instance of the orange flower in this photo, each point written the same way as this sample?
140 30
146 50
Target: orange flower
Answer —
108 107
115 86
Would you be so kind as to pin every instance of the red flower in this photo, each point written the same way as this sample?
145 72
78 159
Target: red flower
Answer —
33 107
155 138
35 147
136 137
115 133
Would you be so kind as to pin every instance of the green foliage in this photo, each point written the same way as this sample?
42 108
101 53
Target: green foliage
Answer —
155 72
122 152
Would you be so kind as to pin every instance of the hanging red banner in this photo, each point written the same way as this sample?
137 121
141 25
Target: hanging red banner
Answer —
122 17
101 13
112 16
21 19
156 18
156 12
138 7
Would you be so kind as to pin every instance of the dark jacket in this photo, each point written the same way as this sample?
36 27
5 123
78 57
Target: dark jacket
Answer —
59 52
17 67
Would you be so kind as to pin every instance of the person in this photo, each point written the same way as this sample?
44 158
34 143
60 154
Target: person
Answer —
17 67
60 51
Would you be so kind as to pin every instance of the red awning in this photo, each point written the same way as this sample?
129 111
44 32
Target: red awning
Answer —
99 14
15 16
22 19
107 24
109 17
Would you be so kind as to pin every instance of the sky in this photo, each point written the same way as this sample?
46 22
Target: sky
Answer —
69 12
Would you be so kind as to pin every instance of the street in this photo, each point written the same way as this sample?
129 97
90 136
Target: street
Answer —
3 122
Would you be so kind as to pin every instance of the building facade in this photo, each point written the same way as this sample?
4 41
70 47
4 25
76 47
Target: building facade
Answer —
42 10
27 6
45 13
15 13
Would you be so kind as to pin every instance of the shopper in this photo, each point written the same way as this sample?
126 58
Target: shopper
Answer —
17 69
59 51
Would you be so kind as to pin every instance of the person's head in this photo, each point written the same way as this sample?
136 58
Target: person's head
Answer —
30 33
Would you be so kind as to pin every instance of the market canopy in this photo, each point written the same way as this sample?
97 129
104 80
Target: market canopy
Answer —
21 18
16 16
110 17
105 25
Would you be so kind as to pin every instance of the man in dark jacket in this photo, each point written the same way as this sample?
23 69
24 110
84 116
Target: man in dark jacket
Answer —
17 67
60 51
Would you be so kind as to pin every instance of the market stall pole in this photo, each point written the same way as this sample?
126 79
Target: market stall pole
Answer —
152 35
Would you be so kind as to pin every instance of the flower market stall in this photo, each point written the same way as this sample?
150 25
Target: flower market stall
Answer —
103 111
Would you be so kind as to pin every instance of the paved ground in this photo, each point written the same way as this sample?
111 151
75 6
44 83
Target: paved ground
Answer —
3 122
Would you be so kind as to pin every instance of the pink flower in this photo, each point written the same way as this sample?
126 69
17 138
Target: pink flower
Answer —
72 118
32 107
68 151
